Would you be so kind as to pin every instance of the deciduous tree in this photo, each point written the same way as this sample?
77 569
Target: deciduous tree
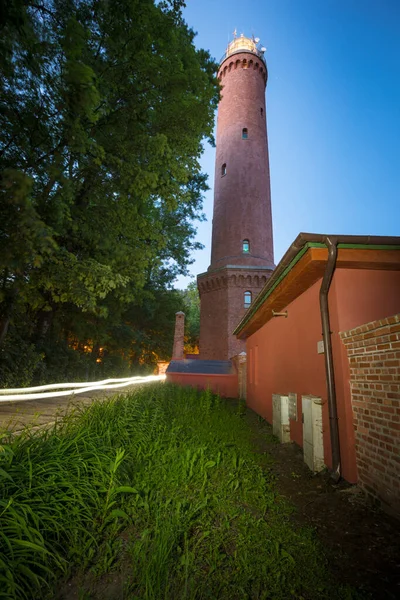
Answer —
103 110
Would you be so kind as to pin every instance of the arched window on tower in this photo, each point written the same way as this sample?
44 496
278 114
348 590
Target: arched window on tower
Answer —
245 133
223 170
246 246
247 299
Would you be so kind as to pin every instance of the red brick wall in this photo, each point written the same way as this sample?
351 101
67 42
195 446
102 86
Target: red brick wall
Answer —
222 307
242 207
374 357
242 197
213 318
162 366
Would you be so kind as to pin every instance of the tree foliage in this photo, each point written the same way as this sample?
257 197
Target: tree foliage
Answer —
103 109
191 301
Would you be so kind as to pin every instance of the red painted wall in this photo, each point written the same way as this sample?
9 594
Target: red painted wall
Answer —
285 351
224 385
364 295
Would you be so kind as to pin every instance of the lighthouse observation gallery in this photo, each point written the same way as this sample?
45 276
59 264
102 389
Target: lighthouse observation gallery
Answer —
242 245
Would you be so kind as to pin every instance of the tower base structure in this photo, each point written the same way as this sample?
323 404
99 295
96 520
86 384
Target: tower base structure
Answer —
222 307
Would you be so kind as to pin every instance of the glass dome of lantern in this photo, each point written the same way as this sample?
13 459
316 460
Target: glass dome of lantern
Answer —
244 44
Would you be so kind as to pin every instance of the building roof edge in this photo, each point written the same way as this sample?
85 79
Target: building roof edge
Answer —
299 247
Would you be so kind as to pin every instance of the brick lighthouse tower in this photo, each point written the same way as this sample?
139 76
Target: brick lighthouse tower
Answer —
242 249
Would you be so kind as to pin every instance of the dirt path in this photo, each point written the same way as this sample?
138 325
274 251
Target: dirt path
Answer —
362 543
14 416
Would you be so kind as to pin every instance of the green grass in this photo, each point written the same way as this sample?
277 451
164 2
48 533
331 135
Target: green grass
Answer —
161 488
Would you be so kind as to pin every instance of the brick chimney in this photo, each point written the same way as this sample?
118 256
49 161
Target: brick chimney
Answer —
177 353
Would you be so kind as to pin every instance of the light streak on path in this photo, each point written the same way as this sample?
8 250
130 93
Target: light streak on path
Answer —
21 395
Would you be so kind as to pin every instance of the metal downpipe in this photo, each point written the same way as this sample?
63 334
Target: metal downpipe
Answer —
331 243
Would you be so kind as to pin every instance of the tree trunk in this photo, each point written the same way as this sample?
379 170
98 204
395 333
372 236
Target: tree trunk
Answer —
7 308
4 323
45 319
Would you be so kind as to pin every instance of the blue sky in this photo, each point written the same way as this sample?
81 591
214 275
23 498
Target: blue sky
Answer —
333 112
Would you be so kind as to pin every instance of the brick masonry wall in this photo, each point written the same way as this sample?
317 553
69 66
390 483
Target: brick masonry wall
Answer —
222 307
162 366
242 207
374 358
242 197
213 323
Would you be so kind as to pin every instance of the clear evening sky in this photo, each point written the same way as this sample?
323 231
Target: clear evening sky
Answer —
333 112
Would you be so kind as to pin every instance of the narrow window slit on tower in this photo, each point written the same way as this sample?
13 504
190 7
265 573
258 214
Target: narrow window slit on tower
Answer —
247 299
245 133
246 246
262 111
223 170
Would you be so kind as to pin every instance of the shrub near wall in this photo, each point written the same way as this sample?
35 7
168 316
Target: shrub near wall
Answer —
374 357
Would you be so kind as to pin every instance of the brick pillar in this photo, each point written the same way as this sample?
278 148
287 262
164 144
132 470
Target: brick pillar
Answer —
162 366
242 374
177 353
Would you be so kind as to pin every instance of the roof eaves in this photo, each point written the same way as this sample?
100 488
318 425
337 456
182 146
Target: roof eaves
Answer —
273 282
302 243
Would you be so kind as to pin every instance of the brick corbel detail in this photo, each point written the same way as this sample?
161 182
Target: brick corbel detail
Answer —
216 281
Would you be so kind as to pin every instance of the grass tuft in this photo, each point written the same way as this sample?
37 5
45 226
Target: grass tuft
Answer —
161 487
